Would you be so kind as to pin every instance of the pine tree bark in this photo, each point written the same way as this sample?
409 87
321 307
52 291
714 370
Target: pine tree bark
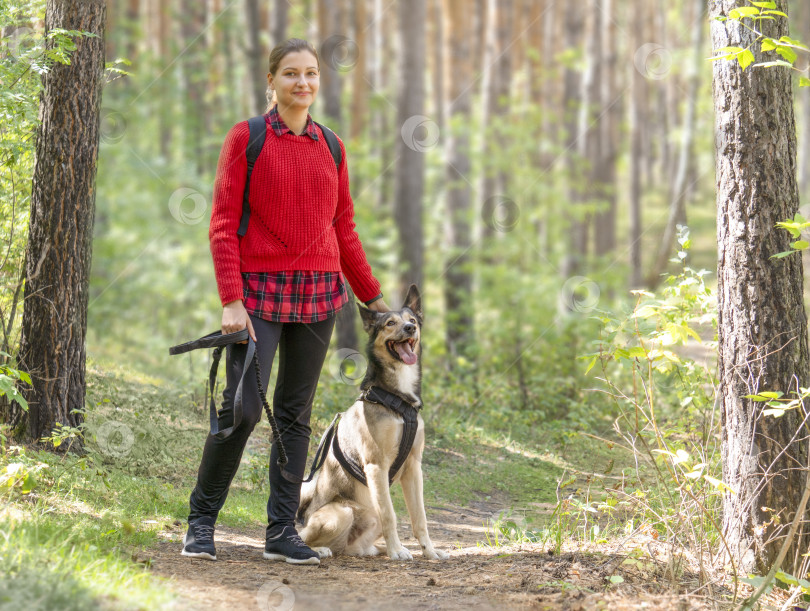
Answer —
59 248
458 277
360 72
329 17
577 250
761 318
279 19
637 104
255 56
611 108
410 170
436 41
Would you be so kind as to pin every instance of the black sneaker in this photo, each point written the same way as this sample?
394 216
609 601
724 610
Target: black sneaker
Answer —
289 547
199 540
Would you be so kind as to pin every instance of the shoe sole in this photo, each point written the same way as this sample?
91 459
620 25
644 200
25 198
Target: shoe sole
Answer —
205 555
313 560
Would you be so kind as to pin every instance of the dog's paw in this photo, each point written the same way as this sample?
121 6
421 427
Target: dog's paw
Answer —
401 554
323 552
436 554
371 550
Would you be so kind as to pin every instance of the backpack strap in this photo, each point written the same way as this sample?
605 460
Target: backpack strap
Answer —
332 143
258 131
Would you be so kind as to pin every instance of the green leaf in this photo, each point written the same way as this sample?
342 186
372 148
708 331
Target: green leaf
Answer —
616 579
590 365
718 484
804 81
780 13
781 255
776 412
786 578
764 4
800 244
771 394
742 12
788 53
746 58
768 44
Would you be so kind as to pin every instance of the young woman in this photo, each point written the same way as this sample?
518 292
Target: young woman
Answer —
282 281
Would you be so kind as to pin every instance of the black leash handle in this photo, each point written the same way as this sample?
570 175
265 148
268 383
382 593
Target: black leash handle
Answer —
218 341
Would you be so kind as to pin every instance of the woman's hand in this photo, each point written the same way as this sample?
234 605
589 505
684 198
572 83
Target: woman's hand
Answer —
235 318
379 306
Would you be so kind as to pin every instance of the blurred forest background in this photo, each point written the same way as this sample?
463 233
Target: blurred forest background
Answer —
544 170
561 143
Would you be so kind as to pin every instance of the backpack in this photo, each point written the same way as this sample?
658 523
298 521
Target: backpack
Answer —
258 131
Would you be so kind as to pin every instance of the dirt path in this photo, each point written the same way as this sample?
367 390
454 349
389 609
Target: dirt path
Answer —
475 577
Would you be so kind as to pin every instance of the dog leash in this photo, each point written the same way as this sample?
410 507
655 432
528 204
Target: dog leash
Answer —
217 341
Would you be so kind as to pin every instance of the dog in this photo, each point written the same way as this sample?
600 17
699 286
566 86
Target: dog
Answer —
340 514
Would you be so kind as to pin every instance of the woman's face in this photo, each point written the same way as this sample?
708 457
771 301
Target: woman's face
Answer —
296 81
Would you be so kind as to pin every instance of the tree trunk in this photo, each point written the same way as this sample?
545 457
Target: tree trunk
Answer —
192 78
437 45
410 170
497 89
572 101
255 56
803 18
589 133
279 19
59 246
636 152
133 15
458 277
610 106
330 50
360 75
762 324
677 208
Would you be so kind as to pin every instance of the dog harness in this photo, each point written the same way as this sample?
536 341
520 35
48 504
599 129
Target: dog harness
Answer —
395 403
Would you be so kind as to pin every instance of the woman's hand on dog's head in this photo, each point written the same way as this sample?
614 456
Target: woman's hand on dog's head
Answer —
235 318
379 306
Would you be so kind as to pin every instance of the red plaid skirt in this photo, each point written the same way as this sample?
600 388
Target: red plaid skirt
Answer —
294 296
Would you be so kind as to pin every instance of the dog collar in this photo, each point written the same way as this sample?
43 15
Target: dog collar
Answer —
392 401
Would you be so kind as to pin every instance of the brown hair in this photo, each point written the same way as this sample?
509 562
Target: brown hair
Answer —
279 52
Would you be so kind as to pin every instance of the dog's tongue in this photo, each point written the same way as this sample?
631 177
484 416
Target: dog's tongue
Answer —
407 355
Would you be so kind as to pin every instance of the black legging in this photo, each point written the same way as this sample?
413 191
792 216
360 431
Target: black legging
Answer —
302 352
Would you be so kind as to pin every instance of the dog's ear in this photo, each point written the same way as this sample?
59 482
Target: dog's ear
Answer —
369 317
413 300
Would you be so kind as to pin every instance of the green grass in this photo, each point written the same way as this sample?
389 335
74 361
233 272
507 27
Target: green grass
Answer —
73 540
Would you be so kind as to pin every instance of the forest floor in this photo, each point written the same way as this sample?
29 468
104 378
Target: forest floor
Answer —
475 577
104 531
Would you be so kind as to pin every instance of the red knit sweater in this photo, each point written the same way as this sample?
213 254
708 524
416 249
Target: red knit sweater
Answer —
301 213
